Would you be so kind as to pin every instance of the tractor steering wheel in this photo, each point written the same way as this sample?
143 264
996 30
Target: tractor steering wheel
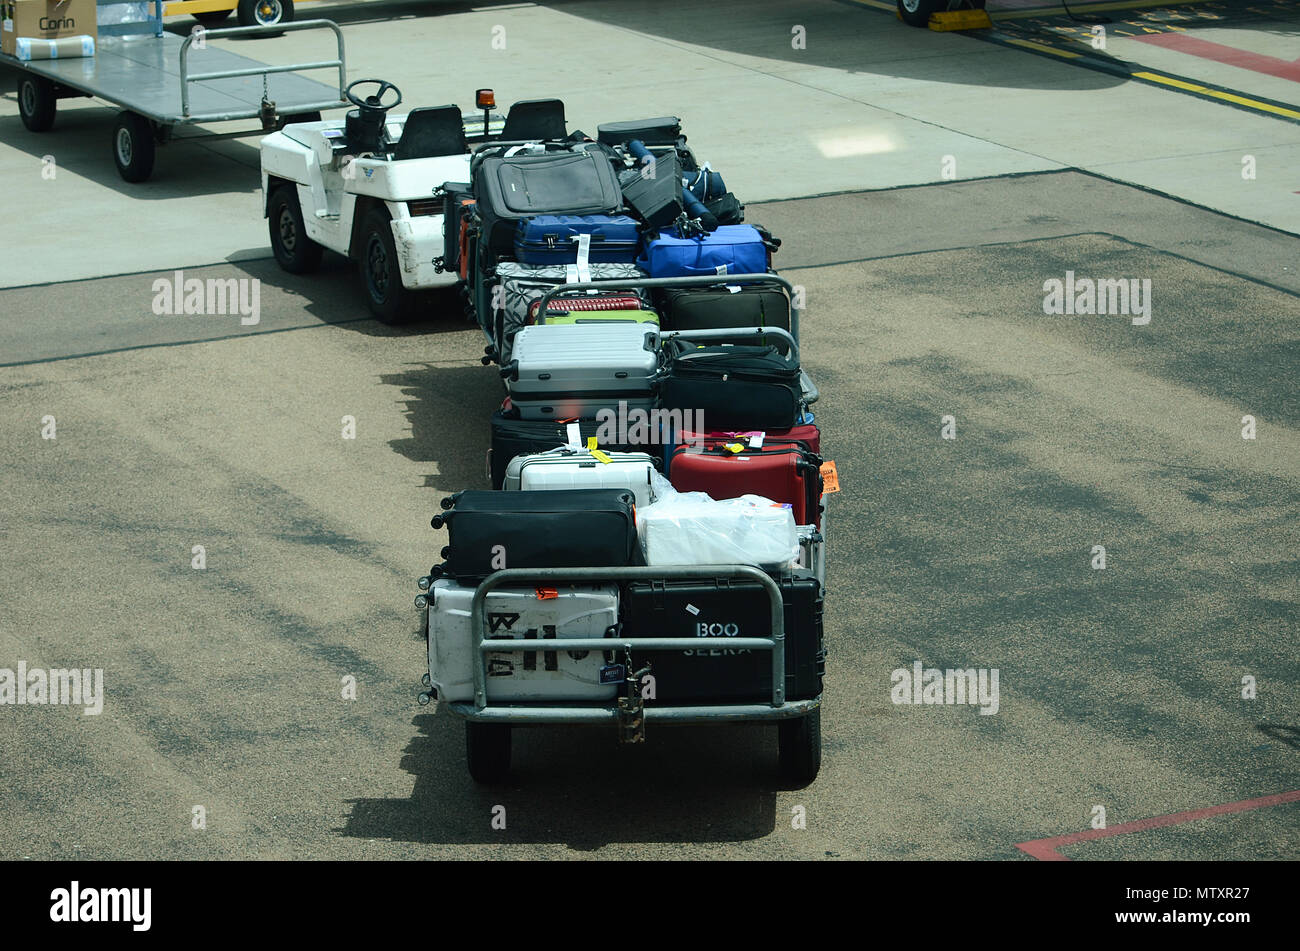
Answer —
375 100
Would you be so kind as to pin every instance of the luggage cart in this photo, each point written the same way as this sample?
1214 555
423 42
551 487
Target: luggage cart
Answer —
161 82
488 725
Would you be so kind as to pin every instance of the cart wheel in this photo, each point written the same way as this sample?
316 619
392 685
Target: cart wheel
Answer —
133 146
213 16
487 748
37 102
381 274
296 253
917 12
800 744
265 12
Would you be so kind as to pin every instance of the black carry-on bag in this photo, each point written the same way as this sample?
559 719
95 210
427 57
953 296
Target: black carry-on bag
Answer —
736 387
514 187
561 528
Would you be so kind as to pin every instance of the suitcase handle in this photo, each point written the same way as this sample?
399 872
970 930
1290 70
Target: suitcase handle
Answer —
712 280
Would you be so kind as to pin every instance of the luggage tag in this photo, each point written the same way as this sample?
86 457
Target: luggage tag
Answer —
613 674
830 477
584 253
547 594
596 453
573 435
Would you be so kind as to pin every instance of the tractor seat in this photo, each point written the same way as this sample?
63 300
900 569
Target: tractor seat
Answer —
532 119
432 132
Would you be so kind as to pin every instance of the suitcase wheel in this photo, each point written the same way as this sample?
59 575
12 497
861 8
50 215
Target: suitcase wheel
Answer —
437 521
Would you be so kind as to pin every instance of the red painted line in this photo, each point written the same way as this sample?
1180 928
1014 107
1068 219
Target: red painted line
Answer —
1045 849
1230 55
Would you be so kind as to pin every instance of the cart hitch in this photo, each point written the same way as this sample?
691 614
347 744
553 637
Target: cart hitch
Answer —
631 712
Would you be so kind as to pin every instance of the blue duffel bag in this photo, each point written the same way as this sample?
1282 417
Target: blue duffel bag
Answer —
732 249
549 239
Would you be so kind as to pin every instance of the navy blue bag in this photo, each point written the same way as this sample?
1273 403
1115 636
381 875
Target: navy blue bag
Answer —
732 249
550 239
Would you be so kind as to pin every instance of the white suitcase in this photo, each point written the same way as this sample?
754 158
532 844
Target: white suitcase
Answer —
579 610
573 371
692 529
578 469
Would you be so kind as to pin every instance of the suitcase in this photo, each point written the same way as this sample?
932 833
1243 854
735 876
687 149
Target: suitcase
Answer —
693 530
513 437
553 239
522 284
736 387
731 249
788 474
575 371
733 305
557 529
576 610
579 469
662 131
511 188
455 197
594 309
653 193
806 436
726 608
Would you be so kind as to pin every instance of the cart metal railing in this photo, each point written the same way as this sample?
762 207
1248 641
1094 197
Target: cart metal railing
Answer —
543 712
339 63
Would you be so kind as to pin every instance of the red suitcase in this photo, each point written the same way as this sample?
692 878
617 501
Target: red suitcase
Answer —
807 435
785 473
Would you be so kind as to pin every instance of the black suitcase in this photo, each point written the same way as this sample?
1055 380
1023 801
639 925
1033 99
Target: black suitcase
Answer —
656 200
561 528
665 130
509 189
520 437
726 608
454 194
735 387
711 308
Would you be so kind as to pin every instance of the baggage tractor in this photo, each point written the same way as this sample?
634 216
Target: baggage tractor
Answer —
574 371
594 309
731 249
662 131
554 239
723 608
569 468
558 529
522 284
736 387
559 612
513 437
511 188
786 474
726 305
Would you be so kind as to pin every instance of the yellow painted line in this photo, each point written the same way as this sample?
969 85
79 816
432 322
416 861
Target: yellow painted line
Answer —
891 7
1056 9
1217 94
1042 48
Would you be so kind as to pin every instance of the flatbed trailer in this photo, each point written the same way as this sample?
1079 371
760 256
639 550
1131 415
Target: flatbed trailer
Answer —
162 82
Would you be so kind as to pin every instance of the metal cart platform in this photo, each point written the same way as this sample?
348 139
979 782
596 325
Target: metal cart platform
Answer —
162 81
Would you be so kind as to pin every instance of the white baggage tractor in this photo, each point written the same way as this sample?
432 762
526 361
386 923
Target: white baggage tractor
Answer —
577 610
567 468
573 371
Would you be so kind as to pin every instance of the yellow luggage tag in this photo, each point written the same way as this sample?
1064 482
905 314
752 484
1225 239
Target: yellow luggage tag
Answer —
596 453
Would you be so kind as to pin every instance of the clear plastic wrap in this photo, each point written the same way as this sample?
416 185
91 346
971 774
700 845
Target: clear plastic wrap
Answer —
690 528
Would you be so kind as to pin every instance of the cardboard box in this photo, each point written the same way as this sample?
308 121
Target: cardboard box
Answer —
45 20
